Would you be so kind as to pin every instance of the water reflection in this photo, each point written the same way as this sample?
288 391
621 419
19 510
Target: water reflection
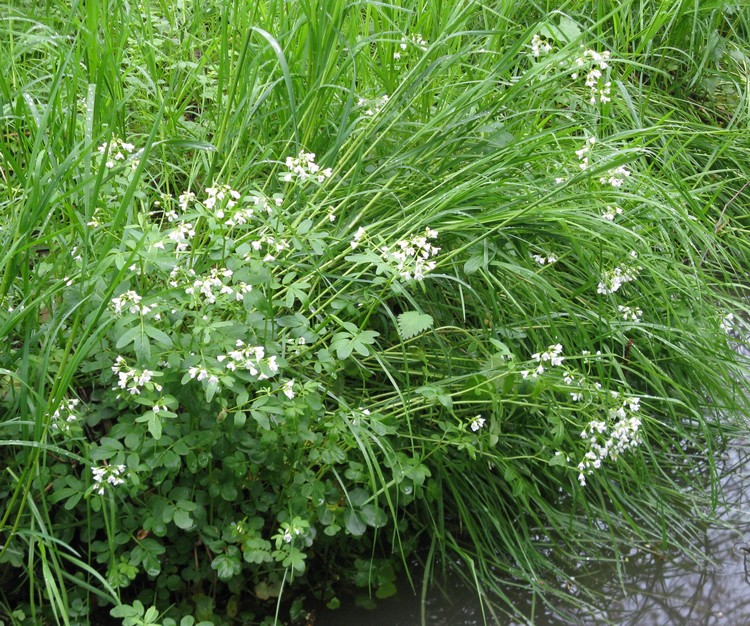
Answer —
652 592
677 592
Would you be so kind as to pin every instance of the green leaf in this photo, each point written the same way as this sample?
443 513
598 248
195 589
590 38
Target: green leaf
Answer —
354 524
190 144
557 459
412 323
160 336
343 344
154 425
438 394
386 590
142 347
183 520
295 560
211 389
474 263
566 31
227 565
373 516
128 337
125 610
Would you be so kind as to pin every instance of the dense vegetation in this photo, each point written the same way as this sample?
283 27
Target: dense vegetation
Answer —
294 293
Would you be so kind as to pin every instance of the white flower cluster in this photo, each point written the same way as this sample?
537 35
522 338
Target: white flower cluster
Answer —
615 177
296 346
411 40
583 152
609 439
361 232
303 167
225 196
201 374
211 286
360 415
251 358
373 106
288 388
182 236
632 314
569 379
160 408
476 423
288 532
594 64
180 272
613 279
107 475
553 356
130 301
411 257
260 203
544 260
539 46
117 150
185 200
94 221
65 417
611 212
133 379
273 247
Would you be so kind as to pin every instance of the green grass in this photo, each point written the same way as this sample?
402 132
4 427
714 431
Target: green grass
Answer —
414 423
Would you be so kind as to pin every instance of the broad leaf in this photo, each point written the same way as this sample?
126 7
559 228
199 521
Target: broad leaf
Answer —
412 323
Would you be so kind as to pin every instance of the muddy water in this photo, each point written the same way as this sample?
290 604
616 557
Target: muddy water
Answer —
653 592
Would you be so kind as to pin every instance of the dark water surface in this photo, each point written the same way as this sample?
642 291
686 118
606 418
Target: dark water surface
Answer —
653 591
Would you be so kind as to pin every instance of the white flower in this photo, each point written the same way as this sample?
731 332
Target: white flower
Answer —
131 302
288 388
410 258
614 279
553 355
132 379
357 237
615 177
539 46
224 196
251 359
597 63
476 423
65 417
611 212
373 107
117 150
633 314
609 439
107 475
542 260
303 168
181 235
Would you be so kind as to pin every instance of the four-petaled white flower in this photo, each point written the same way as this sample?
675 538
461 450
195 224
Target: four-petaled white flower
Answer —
476 423
107 475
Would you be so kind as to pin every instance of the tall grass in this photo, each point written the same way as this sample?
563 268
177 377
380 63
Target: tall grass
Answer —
406 414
